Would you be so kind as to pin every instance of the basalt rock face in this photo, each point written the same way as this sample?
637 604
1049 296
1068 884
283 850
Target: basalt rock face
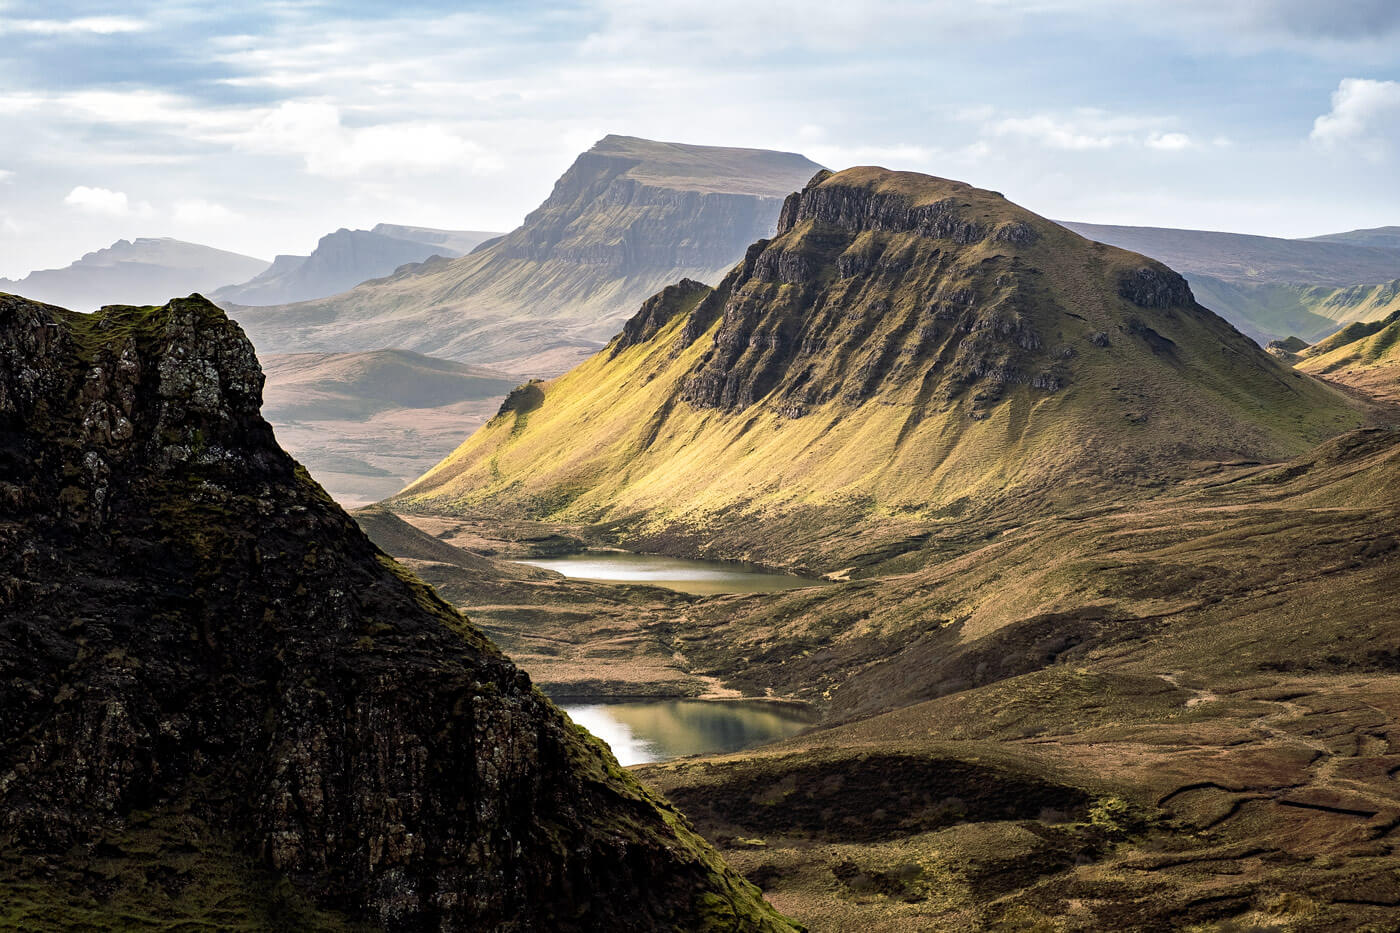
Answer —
657 311
867 288
188 626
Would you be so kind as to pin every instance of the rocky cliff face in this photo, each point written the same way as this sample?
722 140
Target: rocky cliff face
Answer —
627 218
867 288
193 636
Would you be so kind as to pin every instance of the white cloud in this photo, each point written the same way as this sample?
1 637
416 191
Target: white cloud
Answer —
898 157
1365 117
199 211
105 201
93 25
1169 142
314 131
1082 130
311 129
6 174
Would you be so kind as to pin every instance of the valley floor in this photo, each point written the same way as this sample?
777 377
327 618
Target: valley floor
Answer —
1180 710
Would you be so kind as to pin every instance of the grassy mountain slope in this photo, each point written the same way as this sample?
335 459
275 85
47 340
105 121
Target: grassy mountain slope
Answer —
1176 711
1364 356
908 351
628 217
222 707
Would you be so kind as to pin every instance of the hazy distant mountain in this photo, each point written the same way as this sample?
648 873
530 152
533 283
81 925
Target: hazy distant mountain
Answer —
143 271
629 217
346 258
365 424
1271 287
1383 237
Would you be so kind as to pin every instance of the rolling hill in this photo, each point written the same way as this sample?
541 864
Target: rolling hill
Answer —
1384 237
366 424
1270 287
346 258
1365 356
907 353
629 216
146 270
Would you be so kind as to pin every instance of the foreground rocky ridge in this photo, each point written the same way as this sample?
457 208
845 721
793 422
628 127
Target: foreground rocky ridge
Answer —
211 681
906 352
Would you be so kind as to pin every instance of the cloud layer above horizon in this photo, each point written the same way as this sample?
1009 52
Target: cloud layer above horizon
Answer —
259 127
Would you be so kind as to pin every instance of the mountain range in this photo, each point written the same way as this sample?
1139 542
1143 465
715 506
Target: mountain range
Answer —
1270 287
346 258
146 270
906 351
628 217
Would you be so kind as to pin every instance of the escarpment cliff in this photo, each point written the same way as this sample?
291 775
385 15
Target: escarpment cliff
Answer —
904 351
628 217
221 705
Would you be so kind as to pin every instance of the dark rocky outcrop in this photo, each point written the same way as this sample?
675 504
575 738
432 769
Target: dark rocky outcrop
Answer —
192 632
658 311
1156 286
867 287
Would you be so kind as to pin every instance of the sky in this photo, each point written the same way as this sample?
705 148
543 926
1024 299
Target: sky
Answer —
260 126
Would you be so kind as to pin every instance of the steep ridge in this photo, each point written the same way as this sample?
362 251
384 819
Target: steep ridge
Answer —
629 216
1364 356
907 353
346 258
1270 287
212 684
139 271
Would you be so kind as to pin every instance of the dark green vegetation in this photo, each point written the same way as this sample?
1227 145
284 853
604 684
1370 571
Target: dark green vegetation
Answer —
1270 287
629 216
1111 641
221 706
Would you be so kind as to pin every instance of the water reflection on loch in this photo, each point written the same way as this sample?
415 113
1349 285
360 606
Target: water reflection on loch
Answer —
655 730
